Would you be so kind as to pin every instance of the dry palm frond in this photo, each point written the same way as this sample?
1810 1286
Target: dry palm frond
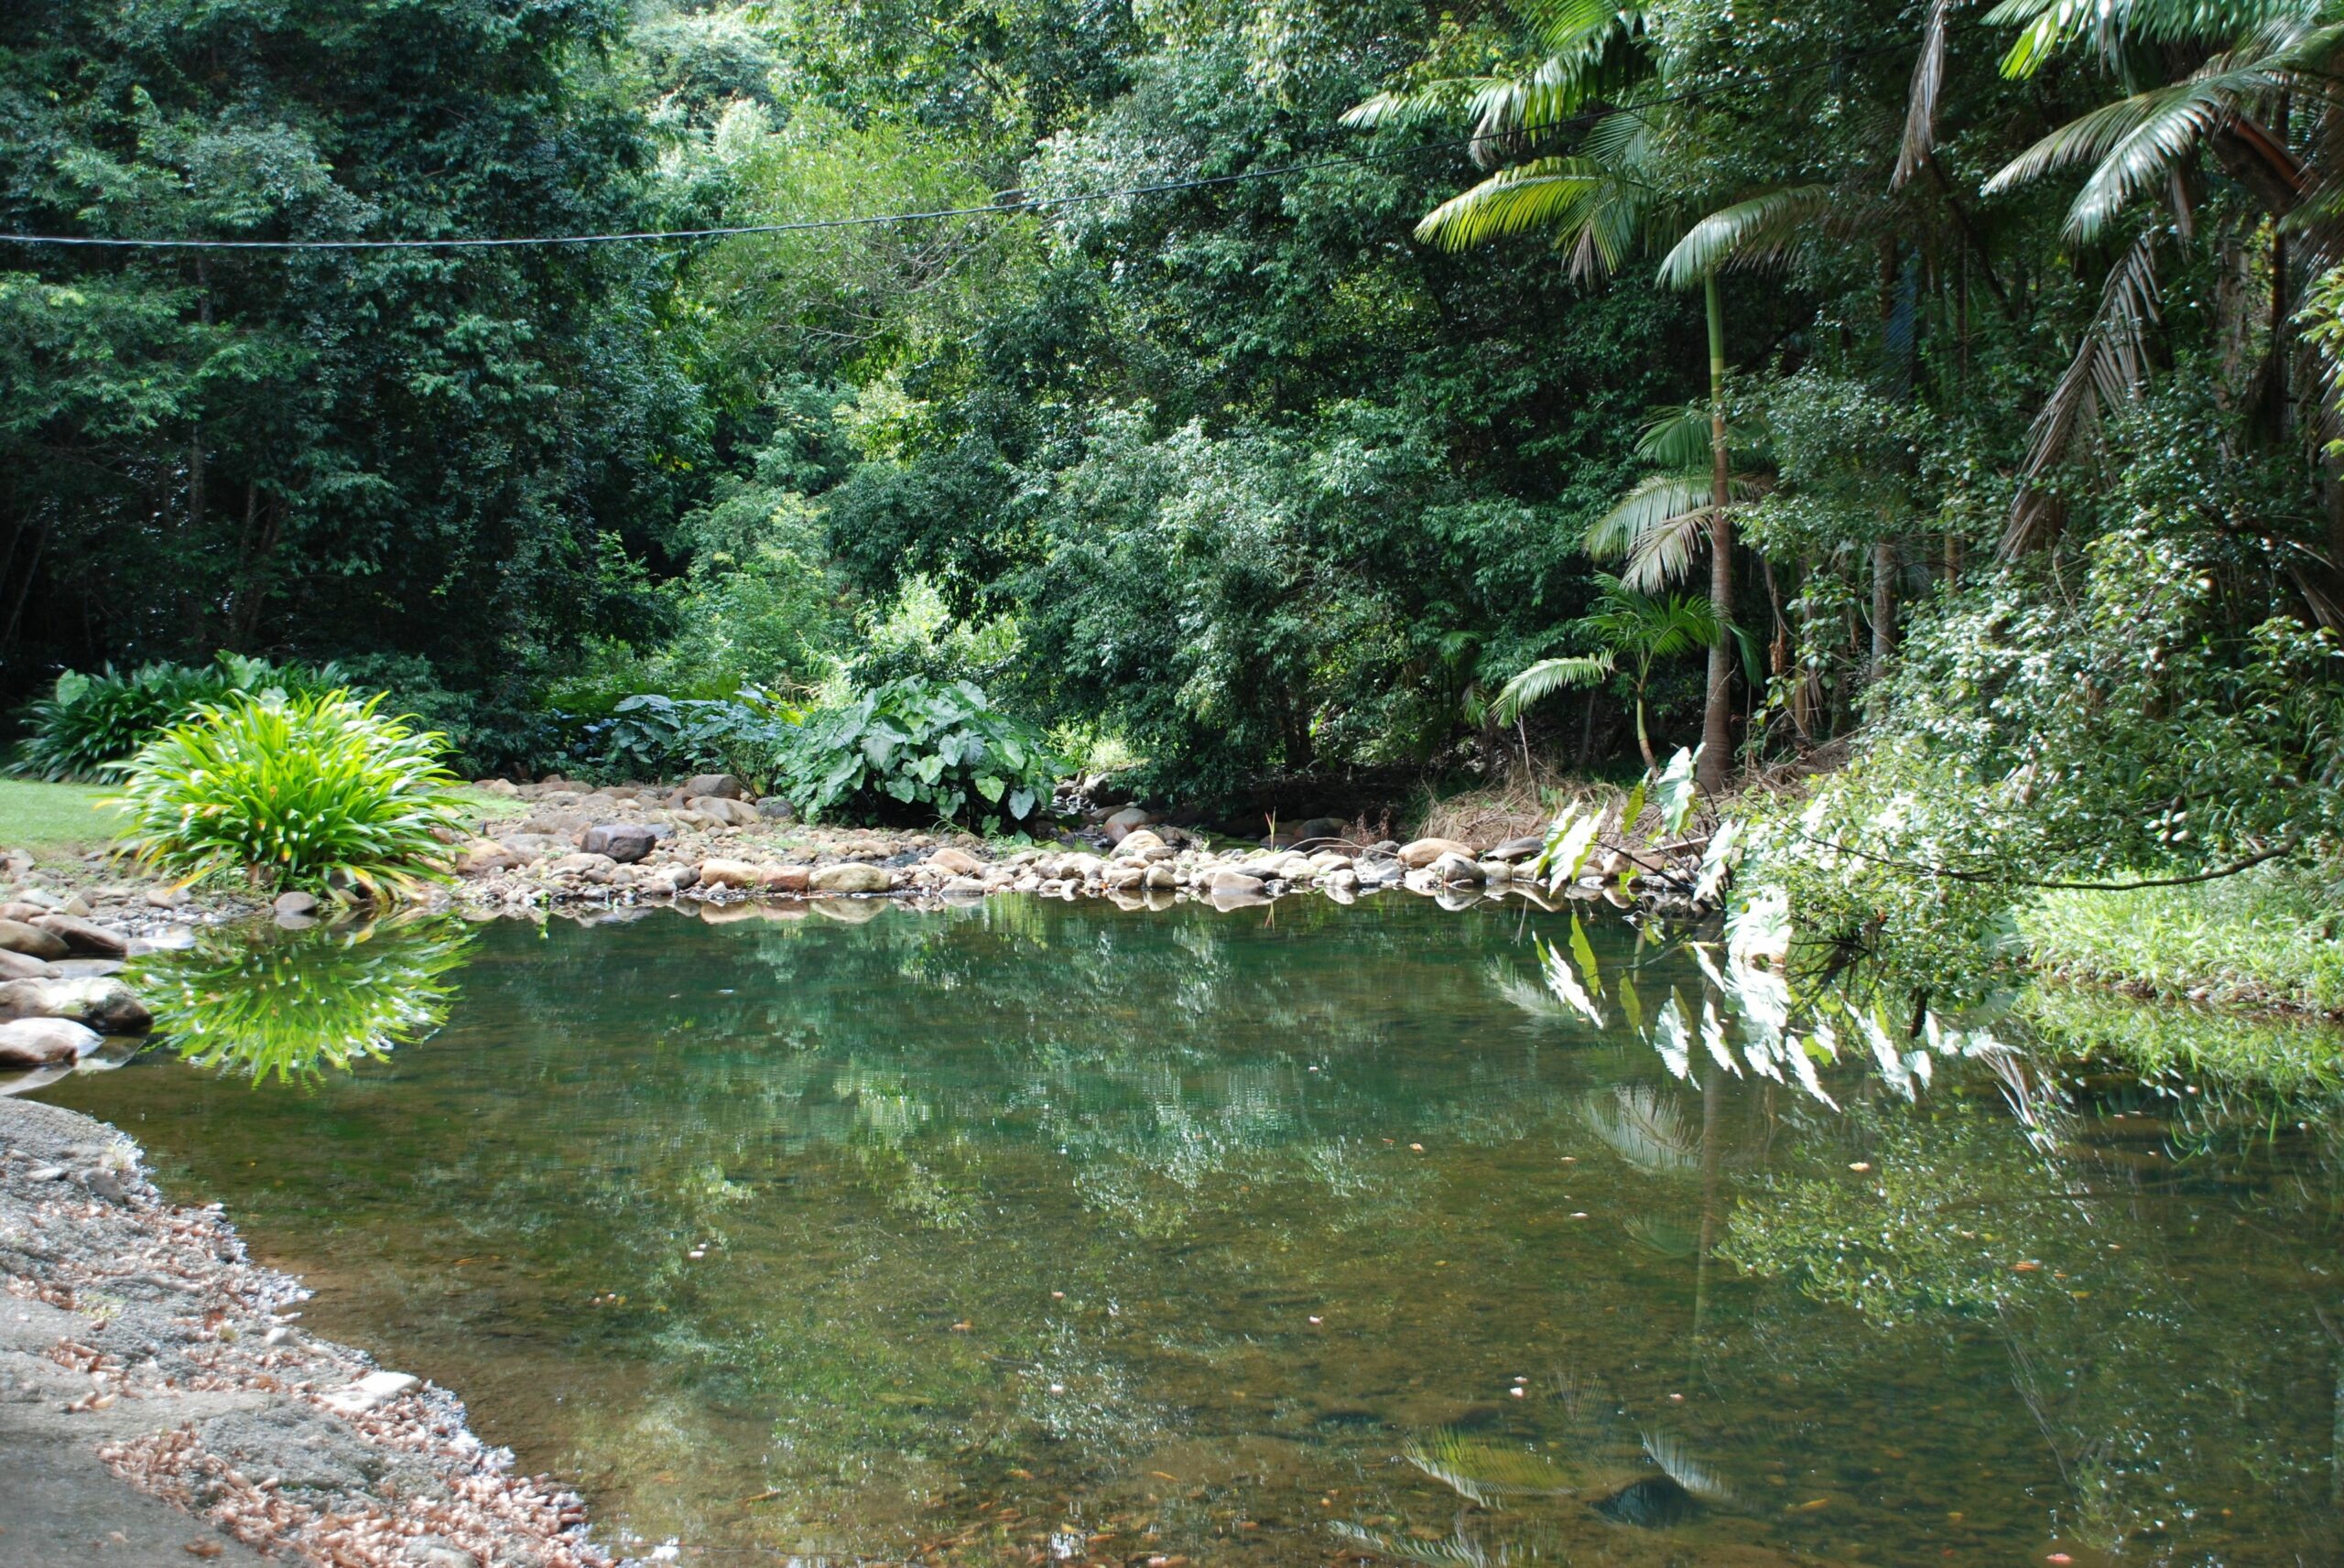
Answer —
2110 364
1459 1551
1921 104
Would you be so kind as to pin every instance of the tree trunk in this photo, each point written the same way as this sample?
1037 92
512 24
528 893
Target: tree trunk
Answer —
1717 713
1883 608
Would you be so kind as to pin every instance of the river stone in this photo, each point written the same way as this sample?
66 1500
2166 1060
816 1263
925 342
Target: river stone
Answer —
724 809
851 877
1160 876
1123 875
625 842
1526 848
31 940
965 887
721 873
1228 880
484 855
1141 844
1320 827
44 1042
1452 869
495 786
296 903
722 786
14 966
775 877
85 939
105 1005
1425 852
955 861
772 809
1129 817
584 867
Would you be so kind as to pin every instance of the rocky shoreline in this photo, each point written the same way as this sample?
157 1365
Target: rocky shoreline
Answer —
566 844
160 1403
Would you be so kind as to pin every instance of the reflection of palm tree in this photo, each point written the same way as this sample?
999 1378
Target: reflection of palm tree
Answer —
285 1001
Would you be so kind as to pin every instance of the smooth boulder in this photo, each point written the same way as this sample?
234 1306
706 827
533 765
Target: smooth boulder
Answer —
31 941
722 873
851 876
22 967
1453 869
83 938
725 810
105 1005
625 842
44 1042
1423 852
721 787
1524 849
955 861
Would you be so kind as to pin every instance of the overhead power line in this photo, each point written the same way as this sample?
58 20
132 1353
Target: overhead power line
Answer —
1022 204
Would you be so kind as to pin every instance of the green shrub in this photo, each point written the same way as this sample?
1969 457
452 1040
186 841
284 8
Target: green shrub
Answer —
652 737
916 743
289 791
90 724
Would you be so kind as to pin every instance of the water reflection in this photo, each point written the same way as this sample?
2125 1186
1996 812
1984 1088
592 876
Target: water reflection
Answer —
1046 1229
265 1001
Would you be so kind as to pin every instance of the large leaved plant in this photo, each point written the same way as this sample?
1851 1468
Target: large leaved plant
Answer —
939 748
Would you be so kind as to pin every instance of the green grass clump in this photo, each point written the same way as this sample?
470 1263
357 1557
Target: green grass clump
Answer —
2268 937
54 819
309 790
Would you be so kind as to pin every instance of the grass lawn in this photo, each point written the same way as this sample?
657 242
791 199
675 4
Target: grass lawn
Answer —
53 820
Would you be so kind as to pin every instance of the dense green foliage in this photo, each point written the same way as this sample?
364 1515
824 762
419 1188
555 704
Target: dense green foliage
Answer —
316 790
943 751
90 723
1338 347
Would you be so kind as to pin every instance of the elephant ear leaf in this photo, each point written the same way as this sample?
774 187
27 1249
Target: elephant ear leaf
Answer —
992 787
1021 802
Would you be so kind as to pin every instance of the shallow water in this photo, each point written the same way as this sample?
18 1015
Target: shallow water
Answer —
1044 1231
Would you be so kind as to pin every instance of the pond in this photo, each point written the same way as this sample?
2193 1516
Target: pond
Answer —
1042 1231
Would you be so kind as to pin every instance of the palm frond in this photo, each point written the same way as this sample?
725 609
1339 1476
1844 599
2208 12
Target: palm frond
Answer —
1483 1473
1653 501
1459 1550
2048 26
1436 102
1554 194
2111 362
1643 1128
1763 229
1920 102
1545 678
1667 1450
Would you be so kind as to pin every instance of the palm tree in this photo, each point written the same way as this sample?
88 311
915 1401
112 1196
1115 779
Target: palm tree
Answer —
1637 627
1601 74
2246 82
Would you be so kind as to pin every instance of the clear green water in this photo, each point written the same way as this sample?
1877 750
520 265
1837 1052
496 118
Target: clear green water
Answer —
1042 1230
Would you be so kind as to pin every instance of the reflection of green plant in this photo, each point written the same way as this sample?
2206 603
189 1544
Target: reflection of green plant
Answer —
289 790
272 1000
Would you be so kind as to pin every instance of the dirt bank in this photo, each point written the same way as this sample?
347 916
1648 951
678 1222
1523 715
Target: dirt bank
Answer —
160 1404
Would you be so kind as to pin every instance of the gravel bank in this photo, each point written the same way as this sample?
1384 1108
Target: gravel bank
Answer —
159 1403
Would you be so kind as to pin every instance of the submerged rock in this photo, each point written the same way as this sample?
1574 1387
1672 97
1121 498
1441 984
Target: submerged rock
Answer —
1655 1502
